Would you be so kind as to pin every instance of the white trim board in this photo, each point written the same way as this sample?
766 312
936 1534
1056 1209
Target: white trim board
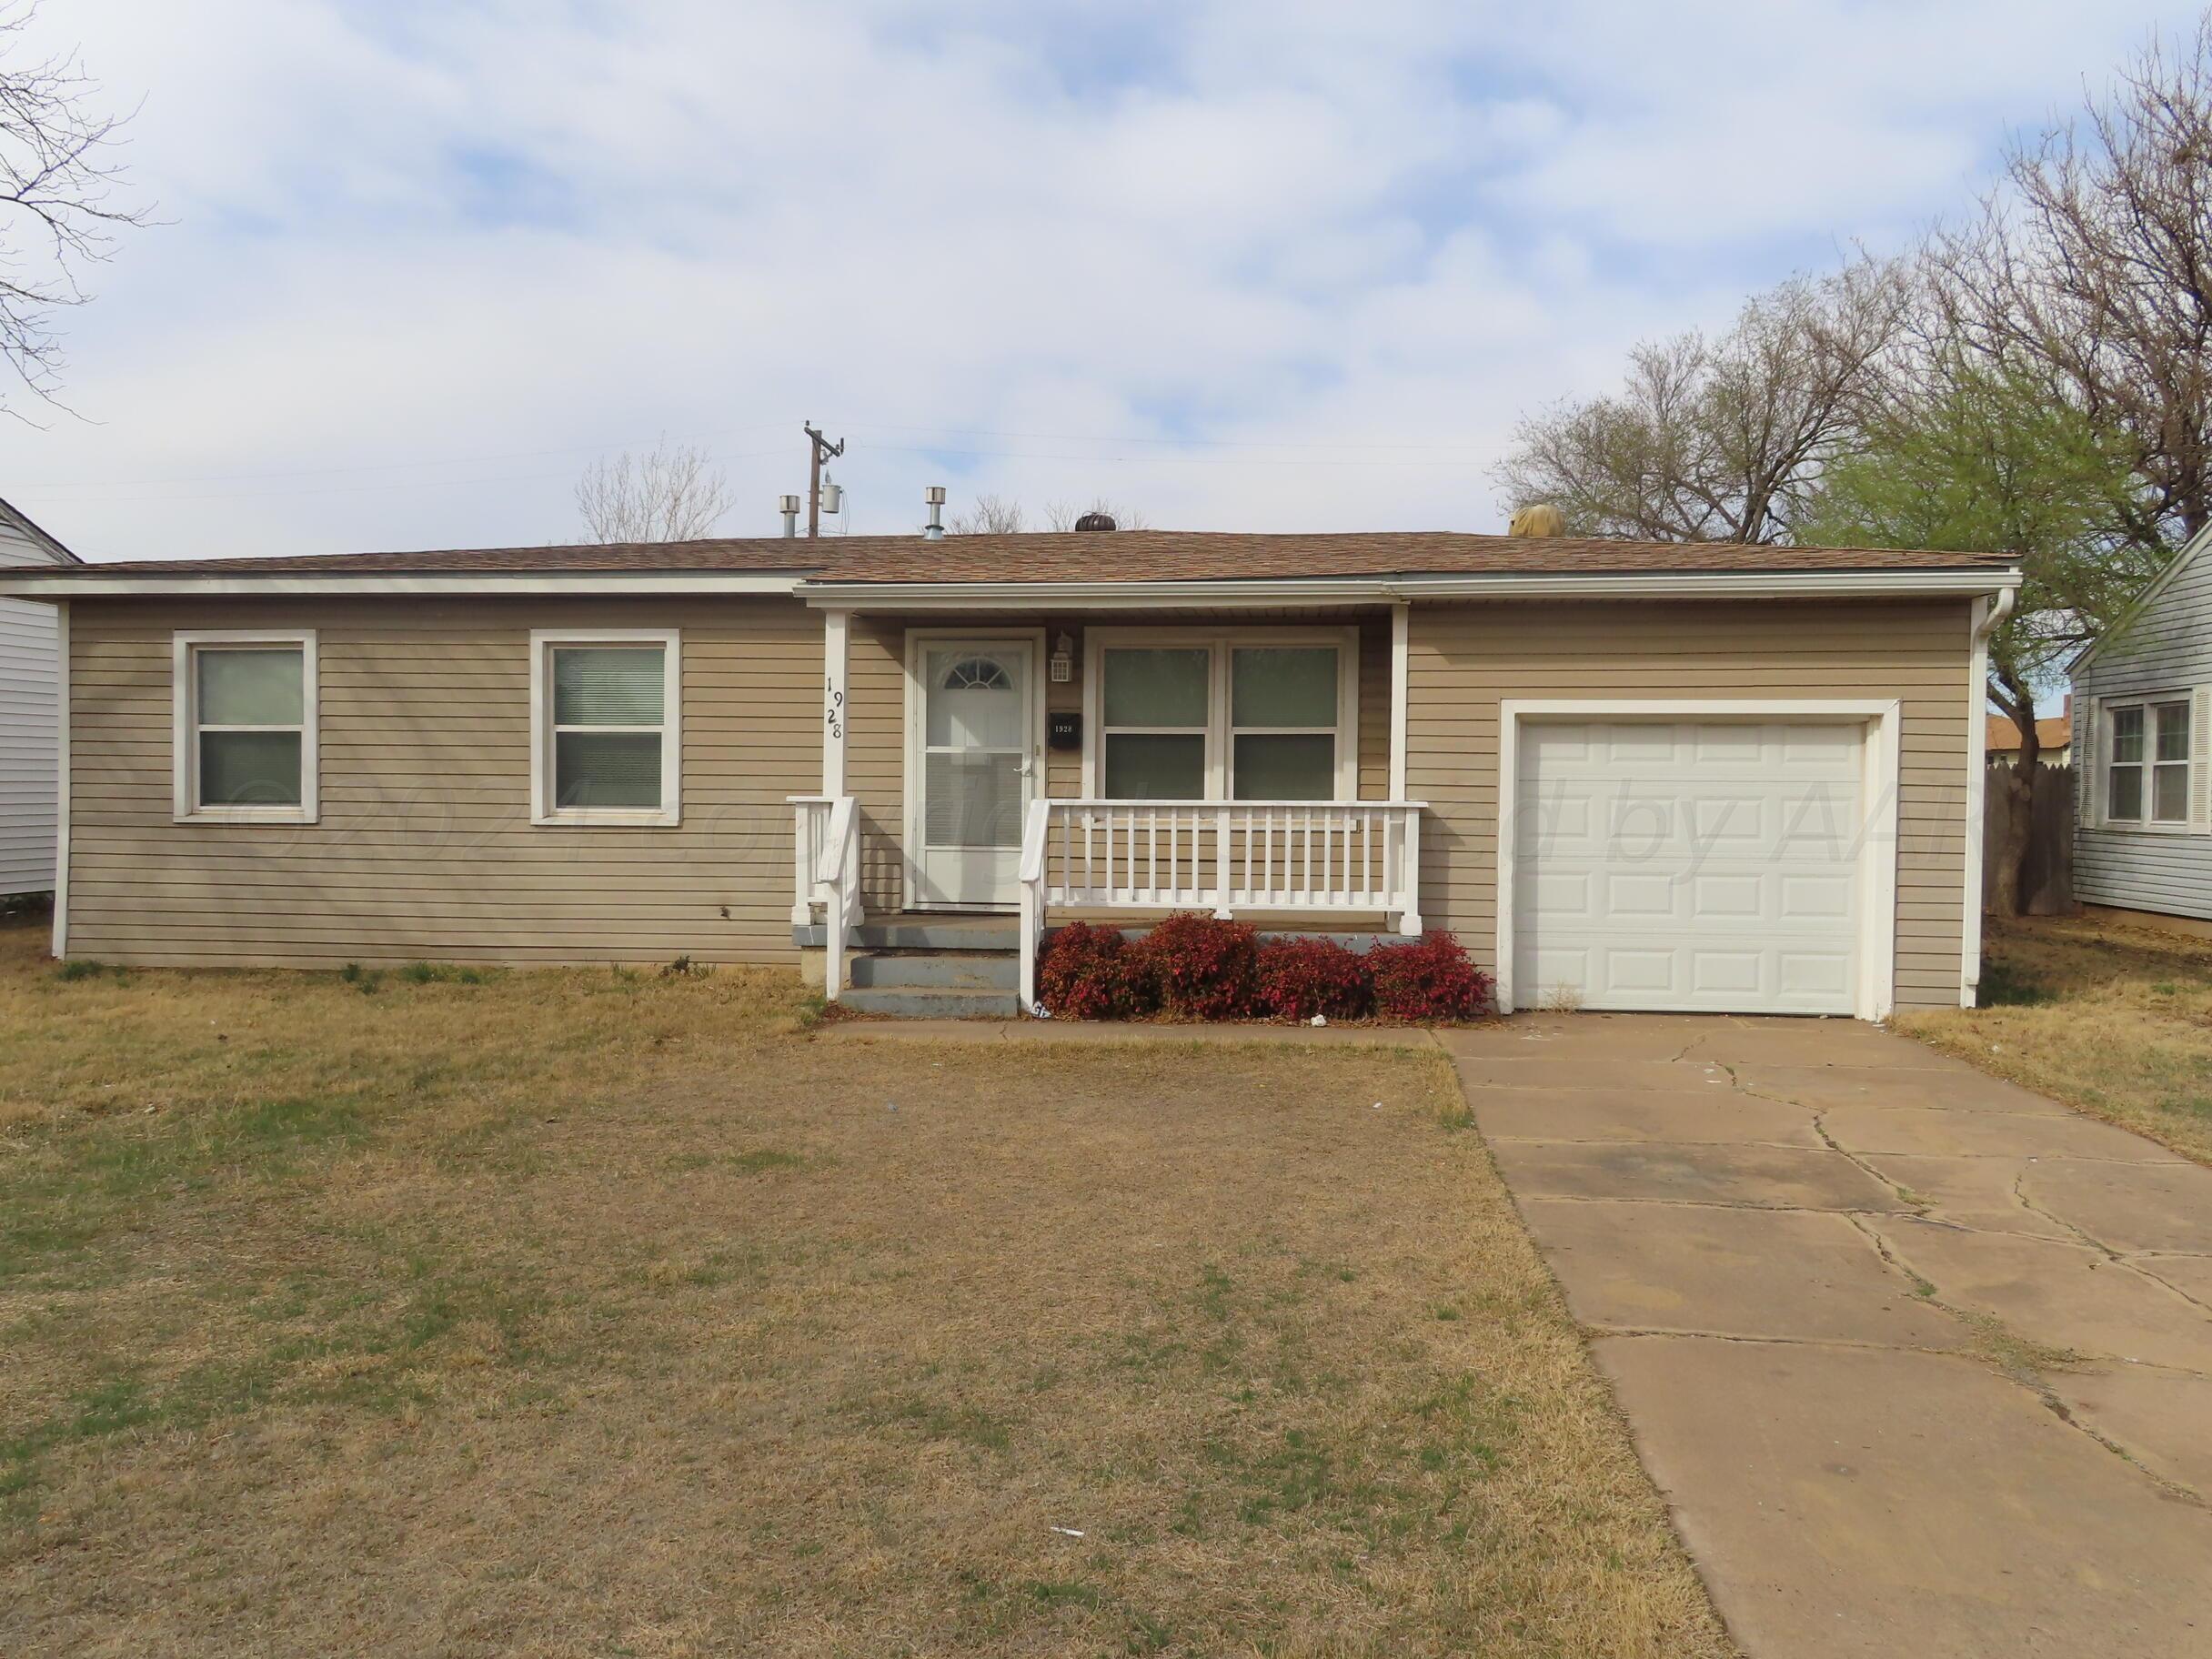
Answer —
1977 785
1400 685
66 584
1876 991
60 786
1348 591
57 584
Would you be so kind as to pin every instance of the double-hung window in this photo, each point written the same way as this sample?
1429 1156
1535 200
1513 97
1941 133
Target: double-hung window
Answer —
605 745
2147 768
1284 715
245 740
1156 724
1184 716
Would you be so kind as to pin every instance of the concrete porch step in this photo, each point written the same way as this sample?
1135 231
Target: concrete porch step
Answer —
940 971
931 1003
912 932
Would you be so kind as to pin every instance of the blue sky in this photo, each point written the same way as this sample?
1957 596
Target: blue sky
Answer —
1233 264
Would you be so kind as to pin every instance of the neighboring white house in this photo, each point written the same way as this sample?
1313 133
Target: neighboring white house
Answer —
30 679
2143 750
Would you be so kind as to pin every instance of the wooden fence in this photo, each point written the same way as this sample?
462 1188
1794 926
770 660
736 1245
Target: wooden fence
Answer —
2048 881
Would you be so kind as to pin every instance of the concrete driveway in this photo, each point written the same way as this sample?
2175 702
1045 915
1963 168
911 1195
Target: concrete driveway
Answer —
1922 1361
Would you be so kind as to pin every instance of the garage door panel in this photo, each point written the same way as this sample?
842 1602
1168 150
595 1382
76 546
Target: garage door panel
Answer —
1727 972
1816 898
1689 865
1631 973
1815 976
1714 746
1568 895
1635 745
1739 823
1641 896
1737 898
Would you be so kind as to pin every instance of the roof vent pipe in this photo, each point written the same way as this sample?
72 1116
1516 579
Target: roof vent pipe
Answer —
935 497
789 507
1538 519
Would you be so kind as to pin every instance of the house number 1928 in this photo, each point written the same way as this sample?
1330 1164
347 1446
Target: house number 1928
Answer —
834 714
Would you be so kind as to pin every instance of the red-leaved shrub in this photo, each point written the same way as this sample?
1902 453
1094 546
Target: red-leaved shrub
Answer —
1428 979
1203 968
1296 979
1091 973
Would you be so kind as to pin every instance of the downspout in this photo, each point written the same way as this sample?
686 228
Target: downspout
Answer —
2006 598
1990 616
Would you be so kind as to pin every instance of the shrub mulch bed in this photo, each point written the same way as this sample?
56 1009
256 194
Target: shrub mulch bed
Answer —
1193 966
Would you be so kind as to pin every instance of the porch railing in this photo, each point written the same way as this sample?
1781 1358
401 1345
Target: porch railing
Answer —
1220 855
826 870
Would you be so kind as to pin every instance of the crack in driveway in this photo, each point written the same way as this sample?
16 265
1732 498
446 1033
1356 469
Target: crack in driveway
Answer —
1748 1465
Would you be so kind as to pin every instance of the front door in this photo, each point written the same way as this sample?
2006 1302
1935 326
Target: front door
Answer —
975 771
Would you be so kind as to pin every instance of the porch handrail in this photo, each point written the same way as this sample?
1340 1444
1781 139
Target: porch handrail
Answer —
1226 856
826 870
1030 894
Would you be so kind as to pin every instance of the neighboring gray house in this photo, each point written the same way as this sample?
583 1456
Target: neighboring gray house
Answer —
29 715
2143 750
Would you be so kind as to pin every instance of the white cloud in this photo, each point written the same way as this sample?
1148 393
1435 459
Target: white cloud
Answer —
425 262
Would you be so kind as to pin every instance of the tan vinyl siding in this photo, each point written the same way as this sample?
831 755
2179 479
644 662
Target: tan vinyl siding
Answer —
875 733
425 849
1465 658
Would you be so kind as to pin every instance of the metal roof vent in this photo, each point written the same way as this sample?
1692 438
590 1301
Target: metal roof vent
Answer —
1095 521
1538 519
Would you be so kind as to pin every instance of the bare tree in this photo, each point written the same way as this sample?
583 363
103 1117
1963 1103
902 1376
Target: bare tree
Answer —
2093 262
1719 439
991 516
674 494
56 214
1062 515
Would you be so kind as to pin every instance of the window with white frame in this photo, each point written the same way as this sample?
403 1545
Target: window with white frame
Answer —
244 742
1155 725
1263 717
1283 708
605 738
2147 764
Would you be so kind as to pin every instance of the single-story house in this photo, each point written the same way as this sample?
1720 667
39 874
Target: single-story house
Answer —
30 681
1628 775
2053 738
2143 752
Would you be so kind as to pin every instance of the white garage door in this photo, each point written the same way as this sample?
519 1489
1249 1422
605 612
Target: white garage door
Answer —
1695 866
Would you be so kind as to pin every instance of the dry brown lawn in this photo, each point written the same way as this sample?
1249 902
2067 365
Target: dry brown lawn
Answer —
597 1313
2114 1020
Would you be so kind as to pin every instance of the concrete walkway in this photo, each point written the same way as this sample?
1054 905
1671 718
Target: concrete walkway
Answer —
1922 1361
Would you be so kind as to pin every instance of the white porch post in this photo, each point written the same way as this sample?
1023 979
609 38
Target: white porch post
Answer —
61 784
1400 619
1409 856
835 633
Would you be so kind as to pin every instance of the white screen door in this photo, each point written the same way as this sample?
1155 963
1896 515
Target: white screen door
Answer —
976 770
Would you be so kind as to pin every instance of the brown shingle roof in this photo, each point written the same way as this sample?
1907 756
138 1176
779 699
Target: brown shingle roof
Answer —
1118 556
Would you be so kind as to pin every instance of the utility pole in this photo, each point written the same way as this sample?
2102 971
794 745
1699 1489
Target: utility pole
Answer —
819 449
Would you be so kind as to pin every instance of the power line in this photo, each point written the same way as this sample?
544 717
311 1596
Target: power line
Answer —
450 460
1461 459
1439 456
1177 443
